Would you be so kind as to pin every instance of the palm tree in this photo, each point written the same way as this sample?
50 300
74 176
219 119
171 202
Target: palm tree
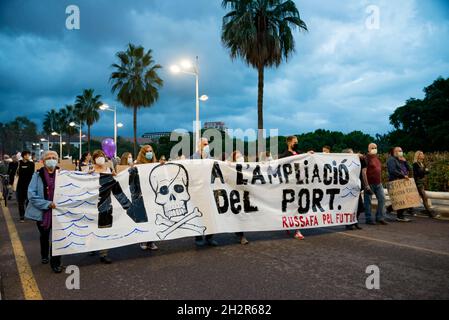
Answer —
260 32
51 122
88 105
136 81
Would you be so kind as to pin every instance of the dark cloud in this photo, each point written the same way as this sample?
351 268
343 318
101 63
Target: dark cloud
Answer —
342 77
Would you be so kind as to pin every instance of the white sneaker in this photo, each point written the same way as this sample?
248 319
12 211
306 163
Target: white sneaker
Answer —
153 247
144 246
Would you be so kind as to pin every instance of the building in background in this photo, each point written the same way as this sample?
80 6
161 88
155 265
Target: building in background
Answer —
219 125
155 136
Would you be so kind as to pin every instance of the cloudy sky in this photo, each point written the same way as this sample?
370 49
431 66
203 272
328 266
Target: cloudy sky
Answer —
344 75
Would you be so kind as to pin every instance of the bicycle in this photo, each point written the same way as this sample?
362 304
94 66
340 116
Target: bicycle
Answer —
5 187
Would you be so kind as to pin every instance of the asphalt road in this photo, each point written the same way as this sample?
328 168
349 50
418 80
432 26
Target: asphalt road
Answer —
413 260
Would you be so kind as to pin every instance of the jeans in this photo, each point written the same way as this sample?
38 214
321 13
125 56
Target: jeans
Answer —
378 191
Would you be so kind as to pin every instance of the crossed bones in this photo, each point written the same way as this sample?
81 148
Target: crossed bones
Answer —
181 224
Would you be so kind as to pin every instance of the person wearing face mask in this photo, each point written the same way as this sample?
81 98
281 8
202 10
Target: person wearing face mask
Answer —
100 166
292 150
85 162
146 156
398 169
420 171
238 157
372 181
204 153
127 159
40 195
25 172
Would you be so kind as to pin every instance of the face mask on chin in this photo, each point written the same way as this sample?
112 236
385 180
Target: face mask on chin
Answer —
373 152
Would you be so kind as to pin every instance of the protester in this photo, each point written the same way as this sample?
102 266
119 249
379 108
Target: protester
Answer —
203 152
147 155
420 171
326 149
40 194
12 170
360 206
292 150
238 157
25 172
100 166
126 159
85 163
372 181
398 169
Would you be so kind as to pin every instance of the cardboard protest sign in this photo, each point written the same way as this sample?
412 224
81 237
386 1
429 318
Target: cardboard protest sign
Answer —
155 202
403 194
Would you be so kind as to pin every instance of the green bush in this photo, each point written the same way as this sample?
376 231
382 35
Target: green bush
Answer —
438 164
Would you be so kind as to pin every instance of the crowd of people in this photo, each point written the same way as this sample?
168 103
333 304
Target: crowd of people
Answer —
35 190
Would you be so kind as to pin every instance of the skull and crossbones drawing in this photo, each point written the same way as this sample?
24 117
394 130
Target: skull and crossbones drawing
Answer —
170 183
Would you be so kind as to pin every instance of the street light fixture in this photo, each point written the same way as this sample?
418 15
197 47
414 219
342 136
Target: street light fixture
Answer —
74 124
48 143
54 134
106 107
188 68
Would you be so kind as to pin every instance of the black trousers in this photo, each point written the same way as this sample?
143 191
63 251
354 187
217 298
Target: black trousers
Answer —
46 247
208 237
22 201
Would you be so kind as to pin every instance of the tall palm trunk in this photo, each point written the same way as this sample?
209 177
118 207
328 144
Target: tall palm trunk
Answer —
260 138
135 132
88 137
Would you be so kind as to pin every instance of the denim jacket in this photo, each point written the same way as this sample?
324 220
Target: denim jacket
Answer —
37 197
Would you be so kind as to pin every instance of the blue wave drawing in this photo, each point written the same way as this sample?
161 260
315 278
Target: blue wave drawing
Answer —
135 231
64 202
70 185
354 163
73 225
68 213
83 203
80 219
71 244
80 195
72 234
350 193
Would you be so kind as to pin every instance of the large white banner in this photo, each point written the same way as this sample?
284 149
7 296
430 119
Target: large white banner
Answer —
199 197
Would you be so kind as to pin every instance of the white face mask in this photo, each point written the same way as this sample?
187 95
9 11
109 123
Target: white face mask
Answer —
240 159
373 152
400 154
270 159
206 150
130 161
100 161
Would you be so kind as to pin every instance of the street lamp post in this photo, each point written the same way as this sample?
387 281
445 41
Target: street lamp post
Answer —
187 68
74 124
106 107
48 142
60 144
